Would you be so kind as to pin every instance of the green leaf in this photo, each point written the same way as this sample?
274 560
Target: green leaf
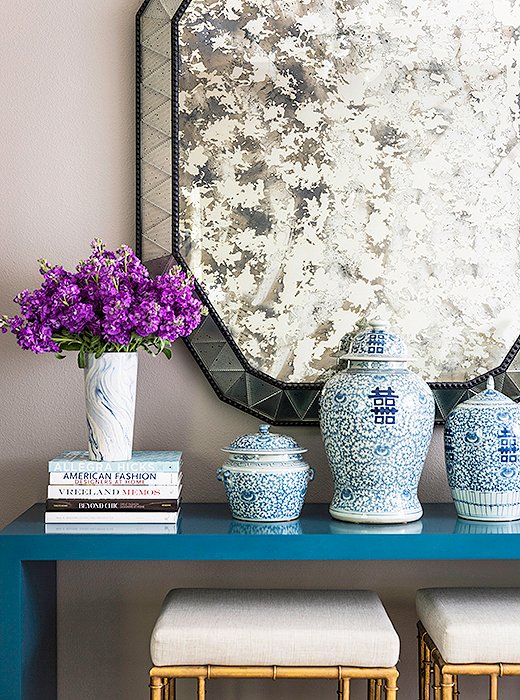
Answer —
81 359
168 353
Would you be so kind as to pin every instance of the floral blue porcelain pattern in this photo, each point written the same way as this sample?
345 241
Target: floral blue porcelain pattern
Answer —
377 341
377 421
264 441
265 528
266 459
265 477
482 448
268 497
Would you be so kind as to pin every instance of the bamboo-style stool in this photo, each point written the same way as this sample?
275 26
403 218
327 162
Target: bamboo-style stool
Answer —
340 635
466 631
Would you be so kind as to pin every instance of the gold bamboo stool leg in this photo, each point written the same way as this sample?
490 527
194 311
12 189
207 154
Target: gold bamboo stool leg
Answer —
493 687
424 654
425 664
345 688
171 689
156 688
436 682
427 672
340 689
375 688
456 692
391 686
420 657
201 689
447 686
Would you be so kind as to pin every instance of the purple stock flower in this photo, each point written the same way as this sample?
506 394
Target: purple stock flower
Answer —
109 302
146 316
75 318
33 336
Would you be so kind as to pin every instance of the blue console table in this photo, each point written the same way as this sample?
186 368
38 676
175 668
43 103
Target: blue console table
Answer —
28 559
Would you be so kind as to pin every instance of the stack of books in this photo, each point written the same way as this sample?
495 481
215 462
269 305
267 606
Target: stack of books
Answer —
144 490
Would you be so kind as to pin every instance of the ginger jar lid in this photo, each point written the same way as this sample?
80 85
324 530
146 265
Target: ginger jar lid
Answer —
490 397
263 442
377 343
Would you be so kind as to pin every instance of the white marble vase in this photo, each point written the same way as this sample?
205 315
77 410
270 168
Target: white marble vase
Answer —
110 386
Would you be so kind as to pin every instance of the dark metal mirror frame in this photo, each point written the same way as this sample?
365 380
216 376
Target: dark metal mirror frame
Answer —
232 377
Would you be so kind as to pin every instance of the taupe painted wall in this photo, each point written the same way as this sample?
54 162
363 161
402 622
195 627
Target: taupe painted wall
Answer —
67 164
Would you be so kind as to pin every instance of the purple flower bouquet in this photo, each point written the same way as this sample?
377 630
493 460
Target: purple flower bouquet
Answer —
109 304
105 310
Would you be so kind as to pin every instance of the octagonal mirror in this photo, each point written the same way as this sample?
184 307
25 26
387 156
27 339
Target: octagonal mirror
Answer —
316 165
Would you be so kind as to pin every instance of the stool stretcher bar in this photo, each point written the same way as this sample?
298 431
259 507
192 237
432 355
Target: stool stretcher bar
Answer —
162 678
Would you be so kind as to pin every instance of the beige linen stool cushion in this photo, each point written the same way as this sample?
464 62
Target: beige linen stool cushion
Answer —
472 625
273 627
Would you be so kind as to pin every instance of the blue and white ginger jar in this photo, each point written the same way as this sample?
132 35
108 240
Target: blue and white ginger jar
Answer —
265 477
482 448
376 420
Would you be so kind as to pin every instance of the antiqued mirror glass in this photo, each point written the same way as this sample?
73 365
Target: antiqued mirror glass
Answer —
319 164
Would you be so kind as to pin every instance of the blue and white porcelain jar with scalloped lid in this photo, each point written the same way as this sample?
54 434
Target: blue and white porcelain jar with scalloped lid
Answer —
482 448
376 420
265 477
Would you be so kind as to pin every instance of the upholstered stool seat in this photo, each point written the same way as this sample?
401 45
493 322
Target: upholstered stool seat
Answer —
472 631
207 633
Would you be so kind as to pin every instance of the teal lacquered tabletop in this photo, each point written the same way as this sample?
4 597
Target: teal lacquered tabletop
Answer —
206 531
29 556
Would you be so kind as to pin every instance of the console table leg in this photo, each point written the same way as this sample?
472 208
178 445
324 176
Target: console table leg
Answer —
39 630
28 632
28 667
10 629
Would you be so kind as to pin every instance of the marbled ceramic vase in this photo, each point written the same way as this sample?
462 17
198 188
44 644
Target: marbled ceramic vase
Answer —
110 388
377 420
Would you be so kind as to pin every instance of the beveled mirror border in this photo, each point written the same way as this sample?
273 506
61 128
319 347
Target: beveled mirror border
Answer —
232 377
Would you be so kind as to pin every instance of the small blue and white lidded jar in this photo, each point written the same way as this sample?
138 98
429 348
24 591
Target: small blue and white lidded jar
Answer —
376 420
265 477
482 449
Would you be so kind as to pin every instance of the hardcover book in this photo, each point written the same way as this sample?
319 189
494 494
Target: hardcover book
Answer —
101 478
111 529
144 461
111 517
78 505
113 492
